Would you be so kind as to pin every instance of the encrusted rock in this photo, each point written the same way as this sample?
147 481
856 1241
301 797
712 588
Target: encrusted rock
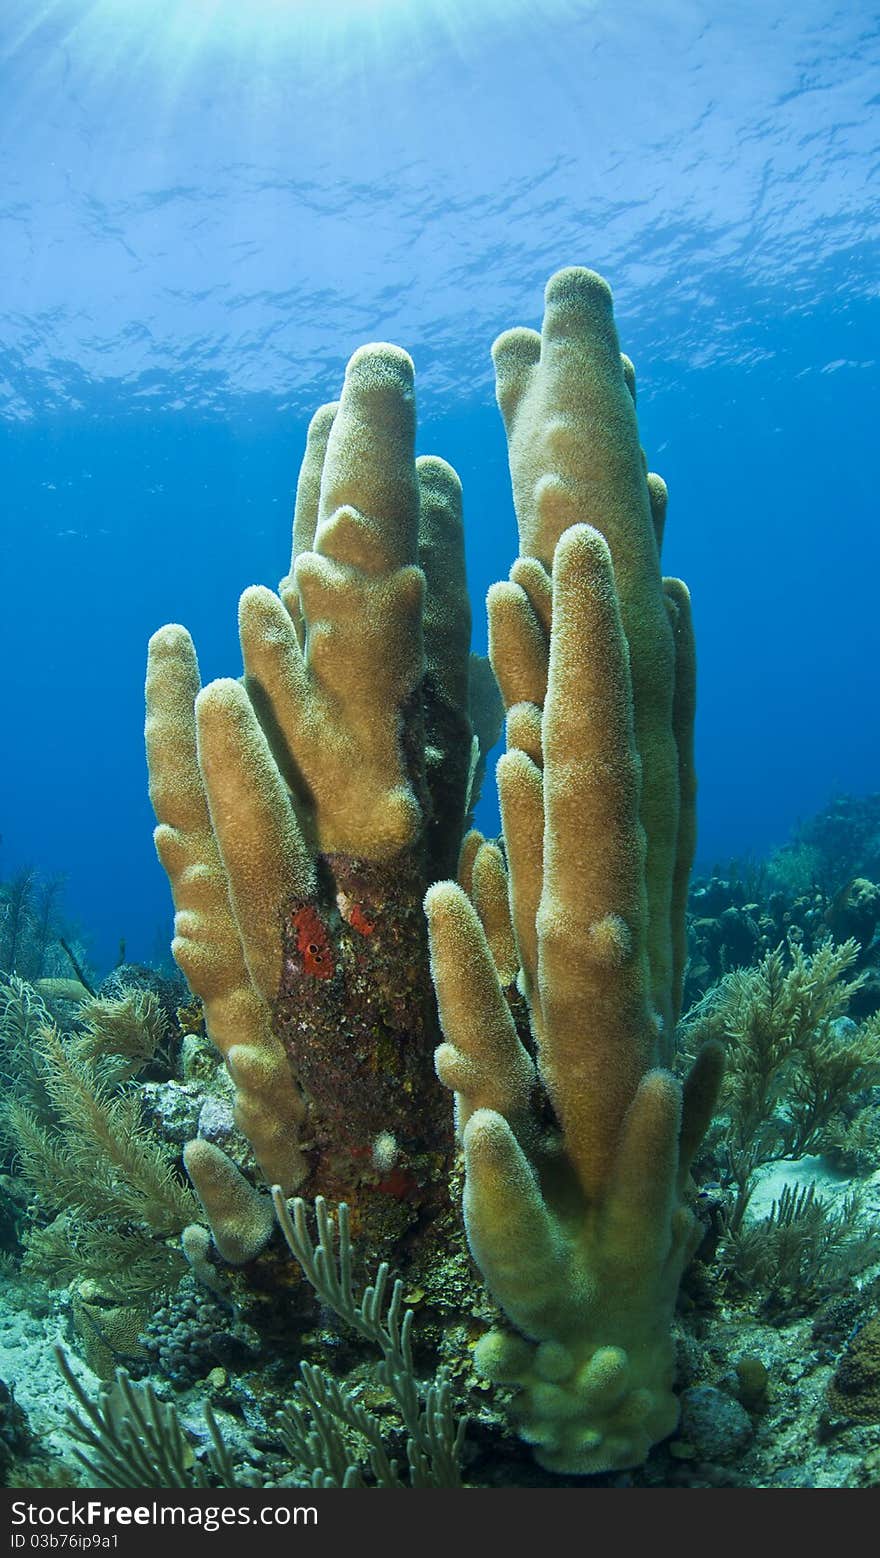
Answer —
716 1425
854 1391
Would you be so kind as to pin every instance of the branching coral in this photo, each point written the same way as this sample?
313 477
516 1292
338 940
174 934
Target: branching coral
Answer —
577 1154
803 1250
30 941
129 1438
791 1075
313 1427
23 1014
303 811
111 1187
123 1033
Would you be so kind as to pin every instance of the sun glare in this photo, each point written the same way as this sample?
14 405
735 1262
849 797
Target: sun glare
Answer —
179 27
151 56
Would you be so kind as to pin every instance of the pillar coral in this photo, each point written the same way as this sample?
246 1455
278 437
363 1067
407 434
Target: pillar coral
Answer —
303 810
577 1139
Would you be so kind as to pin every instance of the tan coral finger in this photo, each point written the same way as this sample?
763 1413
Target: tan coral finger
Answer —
517 645
520 798
171 689
369 463
264 854
491 901
483 1059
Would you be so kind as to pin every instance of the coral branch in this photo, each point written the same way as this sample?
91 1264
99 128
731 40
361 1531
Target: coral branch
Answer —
575 1200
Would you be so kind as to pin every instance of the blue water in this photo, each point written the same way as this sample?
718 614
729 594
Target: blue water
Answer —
205 207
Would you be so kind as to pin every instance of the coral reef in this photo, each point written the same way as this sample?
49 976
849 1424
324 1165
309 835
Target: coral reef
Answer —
355 950
800 1074
804 1250
28 923
35 943
128 1437
826 851
742 912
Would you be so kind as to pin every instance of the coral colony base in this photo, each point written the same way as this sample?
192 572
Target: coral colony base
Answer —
348 939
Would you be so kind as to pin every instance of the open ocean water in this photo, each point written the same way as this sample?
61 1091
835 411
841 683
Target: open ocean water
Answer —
205 207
